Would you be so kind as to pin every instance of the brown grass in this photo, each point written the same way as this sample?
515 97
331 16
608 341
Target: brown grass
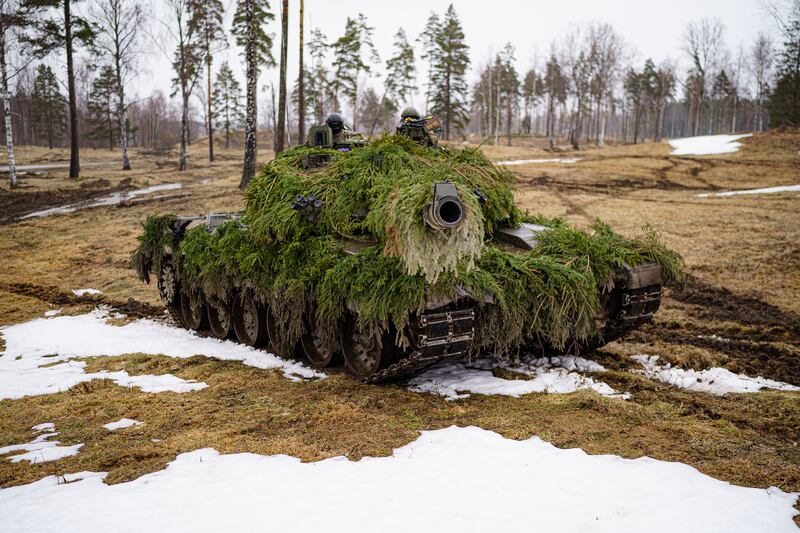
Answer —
742 253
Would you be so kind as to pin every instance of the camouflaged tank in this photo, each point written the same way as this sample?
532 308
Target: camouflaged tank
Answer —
390 255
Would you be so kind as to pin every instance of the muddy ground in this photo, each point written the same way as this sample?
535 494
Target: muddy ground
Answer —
740 309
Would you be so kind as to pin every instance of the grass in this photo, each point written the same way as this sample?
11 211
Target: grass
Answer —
741 252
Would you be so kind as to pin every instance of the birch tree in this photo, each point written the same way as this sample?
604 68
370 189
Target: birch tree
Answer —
761 58
119 41
249 27
186 64
13 19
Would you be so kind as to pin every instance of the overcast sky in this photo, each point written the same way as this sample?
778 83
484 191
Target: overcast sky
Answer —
653 29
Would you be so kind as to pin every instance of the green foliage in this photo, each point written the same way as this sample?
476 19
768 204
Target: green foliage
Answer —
251 18
227 108
300 271
155 243
784 103
450 64
391 180
102 119
353 55
49 118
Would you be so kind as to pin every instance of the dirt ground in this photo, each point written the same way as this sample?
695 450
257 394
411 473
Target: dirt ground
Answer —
742 255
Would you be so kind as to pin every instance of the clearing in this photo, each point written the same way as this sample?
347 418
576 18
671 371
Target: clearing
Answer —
737 319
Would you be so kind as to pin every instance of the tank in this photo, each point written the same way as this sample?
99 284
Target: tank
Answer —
388 256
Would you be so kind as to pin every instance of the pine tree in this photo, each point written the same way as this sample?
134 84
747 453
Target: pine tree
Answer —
509 86
532 92
555 87
376 111
206 18
317 86
401 71
430 51
66 32
280 130
49 117
784 103
354 54
102 117
227 111
451 61
249 27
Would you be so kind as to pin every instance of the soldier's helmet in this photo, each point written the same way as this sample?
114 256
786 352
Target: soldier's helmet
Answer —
335 122
411 113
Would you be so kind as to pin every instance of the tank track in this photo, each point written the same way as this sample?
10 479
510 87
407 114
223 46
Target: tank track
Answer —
435 337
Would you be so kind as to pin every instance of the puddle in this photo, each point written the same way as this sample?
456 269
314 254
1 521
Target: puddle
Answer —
103 201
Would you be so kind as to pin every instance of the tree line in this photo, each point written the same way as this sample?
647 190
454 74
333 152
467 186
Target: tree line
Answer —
590 87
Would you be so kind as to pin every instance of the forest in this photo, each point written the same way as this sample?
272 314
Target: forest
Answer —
590 87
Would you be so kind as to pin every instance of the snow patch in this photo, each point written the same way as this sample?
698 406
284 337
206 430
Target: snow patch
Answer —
52 313
84 292
708 144
716 381
454 479
111 199
31 345
516 162
767 190
41 449
122 423
554 375
47 426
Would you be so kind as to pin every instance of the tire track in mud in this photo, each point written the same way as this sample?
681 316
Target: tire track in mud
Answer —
768 343
56 296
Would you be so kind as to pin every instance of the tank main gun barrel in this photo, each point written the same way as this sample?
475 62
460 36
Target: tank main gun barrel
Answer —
447 210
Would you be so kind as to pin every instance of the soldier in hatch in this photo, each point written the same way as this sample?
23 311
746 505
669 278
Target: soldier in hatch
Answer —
424 130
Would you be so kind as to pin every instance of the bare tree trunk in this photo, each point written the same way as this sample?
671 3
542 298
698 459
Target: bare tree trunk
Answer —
301 84
184 126
280 137
12 162
210 121
123 116
74 156
249 168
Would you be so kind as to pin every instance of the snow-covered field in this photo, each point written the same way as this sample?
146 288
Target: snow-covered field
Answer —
44 341
454 479
713 380
708 144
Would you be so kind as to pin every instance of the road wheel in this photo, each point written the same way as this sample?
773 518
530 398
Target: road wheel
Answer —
169 289
318 354
220 320
193 311
249 321
365 354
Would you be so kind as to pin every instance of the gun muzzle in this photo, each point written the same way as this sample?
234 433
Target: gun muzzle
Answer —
447 210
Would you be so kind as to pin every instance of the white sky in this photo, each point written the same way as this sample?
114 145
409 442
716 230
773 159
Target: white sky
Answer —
654 29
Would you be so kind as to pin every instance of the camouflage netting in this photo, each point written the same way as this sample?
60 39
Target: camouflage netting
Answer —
377 194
